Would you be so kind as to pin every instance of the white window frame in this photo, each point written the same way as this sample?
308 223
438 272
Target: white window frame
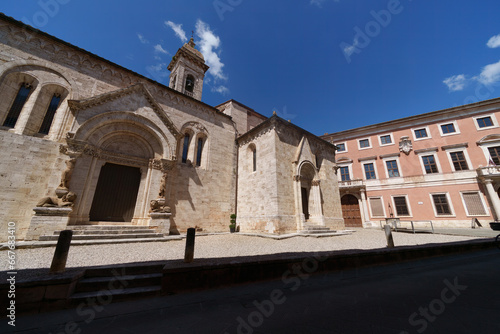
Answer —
485 146
383 135
345 145
466 155
493 120
429 136
483 201
455 125
364 148
345 164
410 214
383 206
384 160
433 152
363 163
450 204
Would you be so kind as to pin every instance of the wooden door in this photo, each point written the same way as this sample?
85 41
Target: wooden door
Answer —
351 212
116 193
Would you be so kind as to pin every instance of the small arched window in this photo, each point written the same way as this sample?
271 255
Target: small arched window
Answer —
199 151
49 115
185 147
189 83
253 154
17 106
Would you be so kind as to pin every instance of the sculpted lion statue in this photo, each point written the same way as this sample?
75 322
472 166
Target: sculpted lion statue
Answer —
53 201
156 206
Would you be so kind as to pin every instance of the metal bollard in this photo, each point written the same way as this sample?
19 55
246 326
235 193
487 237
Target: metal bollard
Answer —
388 236
189 253
61 253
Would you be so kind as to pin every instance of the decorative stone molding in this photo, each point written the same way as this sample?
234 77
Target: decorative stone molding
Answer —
162 164
424 150
390 155
111 96
450 147
296 178
77 148
315 183
368 158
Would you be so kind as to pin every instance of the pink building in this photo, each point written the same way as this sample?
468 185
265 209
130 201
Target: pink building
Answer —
442 166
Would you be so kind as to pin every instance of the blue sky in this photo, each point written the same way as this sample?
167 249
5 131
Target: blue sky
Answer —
327 65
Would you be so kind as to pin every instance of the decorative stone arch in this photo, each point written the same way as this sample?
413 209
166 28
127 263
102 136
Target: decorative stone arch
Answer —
124 140
195 130
94 129
308 206
49 80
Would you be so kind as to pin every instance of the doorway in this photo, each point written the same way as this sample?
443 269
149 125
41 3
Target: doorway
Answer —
351 212
116 193
305 203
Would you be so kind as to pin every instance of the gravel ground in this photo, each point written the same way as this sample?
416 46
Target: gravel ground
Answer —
216 246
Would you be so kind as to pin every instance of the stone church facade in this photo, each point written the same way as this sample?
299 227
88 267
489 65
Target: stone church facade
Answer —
85 141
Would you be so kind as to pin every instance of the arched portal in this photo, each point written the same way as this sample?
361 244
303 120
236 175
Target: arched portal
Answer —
307 174
119 168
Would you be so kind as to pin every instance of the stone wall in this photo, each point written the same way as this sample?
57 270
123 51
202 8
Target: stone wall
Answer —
257 190
29 169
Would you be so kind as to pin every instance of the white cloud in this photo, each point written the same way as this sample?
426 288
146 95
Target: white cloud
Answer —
221 89
177 28
209 43
159 49
456 82
142 39
494 42
490 74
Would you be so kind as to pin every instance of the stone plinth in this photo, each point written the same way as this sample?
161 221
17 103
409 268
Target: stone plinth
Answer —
160 221
47 220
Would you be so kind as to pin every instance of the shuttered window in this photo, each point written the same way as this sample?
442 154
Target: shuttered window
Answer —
473 204
377 207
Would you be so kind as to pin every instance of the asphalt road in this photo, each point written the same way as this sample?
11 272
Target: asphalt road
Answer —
453 294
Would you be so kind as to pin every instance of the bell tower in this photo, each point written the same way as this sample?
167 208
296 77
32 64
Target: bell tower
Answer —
188 70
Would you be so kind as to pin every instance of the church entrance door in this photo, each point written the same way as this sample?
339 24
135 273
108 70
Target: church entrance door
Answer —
351 212
116 193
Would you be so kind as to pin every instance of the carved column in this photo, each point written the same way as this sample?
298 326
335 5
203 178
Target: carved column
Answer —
28 108
493 196
316 195
365 206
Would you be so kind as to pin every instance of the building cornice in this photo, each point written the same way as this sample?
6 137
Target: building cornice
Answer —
481 107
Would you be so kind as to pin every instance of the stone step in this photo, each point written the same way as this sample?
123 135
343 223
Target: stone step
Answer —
106 231
126 281
124 270
112 295
106 227
104 236
316 228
